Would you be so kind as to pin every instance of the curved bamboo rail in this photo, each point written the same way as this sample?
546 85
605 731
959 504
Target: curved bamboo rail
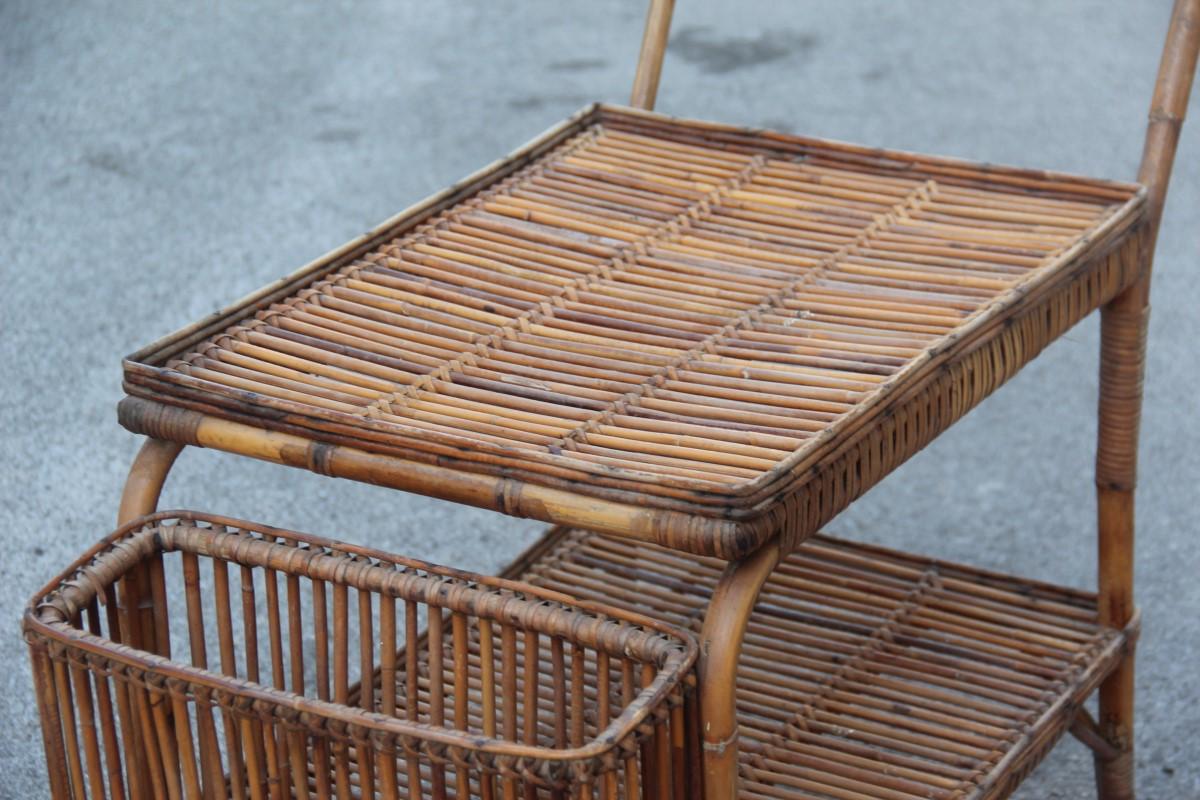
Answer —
721 639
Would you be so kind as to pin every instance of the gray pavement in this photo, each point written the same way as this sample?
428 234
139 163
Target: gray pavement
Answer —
158 160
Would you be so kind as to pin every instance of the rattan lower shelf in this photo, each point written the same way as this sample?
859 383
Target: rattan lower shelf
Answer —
866 673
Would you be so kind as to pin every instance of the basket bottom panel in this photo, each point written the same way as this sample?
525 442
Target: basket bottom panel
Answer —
867 673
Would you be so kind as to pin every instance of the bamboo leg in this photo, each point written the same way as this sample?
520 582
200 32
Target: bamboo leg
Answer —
1122 358
142 489
721 646
1123 338
146 478
147 628
650 60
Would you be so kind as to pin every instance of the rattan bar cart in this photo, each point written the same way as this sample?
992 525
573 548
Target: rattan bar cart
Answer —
688 346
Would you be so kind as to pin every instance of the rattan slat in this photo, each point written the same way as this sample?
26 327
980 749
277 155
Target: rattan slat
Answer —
680 315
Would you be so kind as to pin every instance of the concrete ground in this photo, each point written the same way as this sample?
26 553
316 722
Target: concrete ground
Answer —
158 160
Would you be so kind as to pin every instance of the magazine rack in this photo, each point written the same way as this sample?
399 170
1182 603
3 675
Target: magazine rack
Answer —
688 346
369 674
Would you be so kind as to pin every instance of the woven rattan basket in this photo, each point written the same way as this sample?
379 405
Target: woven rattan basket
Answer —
306 667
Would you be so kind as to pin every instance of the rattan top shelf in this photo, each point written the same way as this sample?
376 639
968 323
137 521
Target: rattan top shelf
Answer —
736 331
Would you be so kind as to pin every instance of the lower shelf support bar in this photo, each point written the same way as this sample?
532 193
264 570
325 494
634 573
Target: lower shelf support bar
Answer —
1085 729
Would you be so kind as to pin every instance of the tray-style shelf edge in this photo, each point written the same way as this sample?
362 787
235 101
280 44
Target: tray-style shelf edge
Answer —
793 499
408 218
972 371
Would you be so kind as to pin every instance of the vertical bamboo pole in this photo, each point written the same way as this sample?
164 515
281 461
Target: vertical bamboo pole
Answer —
462 655
508 691
388 649
184 743
321 757
633 785
531 689
256 776
578 706
1122 360
82 694
720 648
650 60
211 771
254 736
297 751
52 740
341 683
487 665
366 688
412 688
108 723
277 755
558 700
608 785
435 627
226 647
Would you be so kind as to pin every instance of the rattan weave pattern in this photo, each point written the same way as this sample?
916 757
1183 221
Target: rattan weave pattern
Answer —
867 673
675 314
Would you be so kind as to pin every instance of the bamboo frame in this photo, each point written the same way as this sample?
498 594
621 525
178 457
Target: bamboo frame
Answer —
749 524
1123 327
1124 323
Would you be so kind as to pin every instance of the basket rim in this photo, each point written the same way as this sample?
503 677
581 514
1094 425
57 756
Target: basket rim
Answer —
42 621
